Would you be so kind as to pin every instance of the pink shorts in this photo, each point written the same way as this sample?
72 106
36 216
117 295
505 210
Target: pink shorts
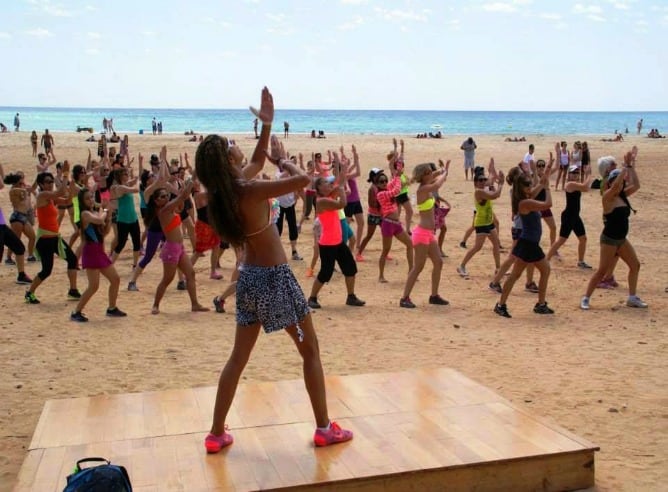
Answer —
390 228
422 236
172 252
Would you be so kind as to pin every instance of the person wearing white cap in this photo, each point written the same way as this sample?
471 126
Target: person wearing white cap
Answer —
621 183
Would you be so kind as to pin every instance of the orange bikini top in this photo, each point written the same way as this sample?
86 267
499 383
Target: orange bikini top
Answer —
173 224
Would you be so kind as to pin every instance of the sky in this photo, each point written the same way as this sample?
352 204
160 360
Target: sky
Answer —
524 55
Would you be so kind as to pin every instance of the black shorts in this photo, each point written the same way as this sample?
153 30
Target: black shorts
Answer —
484 229
546 213
65 207
571 224
353 208
401 198
528 251
374 220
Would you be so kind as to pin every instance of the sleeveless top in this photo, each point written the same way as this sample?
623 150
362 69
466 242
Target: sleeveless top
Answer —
573 203
354 195
126 209
427 205
330 225
616 223
563 158
203 214
173 224
92 234
484 215
531 227
47 218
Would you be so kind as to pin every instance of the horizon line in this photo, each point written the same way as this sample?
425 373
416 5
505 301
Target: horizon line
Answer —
340 109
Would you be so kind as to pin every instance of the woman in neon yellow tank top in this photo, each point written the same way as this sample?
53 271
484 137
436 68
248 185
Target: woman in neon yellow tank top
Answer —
484 220
424 240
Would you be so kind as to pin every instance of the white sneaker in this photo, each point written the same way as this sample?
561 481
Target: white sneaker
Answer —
636 302
584 303
462 271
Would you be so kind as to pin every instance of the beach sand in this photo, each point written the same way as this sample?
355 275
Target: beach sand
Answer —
601 374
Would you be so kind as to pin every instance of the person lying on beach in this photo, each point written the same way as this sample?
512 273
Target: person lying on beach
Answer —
3 128
616 138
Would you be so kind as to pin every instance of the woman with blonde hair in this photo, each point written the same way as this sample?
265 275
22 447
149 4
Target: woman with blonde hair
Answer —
423 238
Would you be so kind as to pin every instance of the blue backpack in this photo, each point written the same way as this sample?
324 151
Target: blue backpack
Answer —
104 477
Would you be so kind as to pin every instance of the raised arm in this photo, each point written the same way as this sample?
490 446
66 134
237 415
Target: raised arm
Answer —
266 116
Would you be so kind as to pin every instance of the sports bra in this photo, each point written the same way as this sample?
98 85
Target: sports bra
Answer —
427 205
173 224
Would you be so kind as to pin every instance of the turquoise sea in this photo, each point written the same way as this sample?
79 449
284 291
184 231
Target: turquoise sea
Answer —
383 122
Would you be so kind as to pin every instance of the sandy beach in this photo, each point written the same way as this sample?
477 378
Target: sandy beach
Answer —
600 374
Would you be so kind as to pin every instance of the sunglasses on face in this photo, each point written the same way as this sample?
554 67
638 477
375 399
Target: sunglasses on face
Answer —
540 166
382 181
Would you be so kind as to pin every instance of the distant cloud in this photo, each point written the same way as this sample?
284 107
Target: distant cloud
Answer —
621 5
401 15
550 16
93 35
48 8
92 51
352 24
90 8
149 34
39 33
276 17
596 18
354 2
5 35
499 7
578 8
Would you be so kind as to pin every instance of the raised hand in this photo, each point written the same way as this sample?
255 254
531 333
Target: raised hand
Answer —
266 112
277 152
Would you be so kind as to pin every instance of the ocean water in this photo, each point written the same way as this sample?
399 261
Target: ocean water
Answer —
382 122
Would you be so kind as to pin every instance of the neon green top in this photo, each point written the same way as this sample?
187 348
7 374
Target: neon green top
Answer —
427 205
404 184
484 215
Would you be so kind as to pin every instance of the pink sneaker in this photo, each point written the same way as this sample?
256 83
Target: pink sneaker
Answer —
215 275
612 282
334 435
359 257
604 284
214 444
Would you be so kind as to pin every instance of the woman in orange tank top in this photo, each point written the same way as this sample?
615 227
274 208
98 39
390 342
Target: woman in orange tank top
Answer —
173 252
49 242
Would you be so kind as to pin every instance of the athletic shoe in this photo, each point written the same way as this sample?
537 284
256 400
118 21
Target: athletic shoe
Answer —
502 310
309 272
132 287
405 302
9 261
333 435
78 317
583 265
313 303
542 308
23 279
73 294
30 298
359 257
214 444
296 257
636 302
461 270
389 258
219 304
215 275
181 285
584 303
495 287
353 300
604 284
462 245
31 259
613 283
438 300
531 287
116 313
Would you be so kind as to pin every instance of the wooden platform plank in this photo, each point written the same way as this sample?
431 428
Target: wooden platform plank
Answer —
413 430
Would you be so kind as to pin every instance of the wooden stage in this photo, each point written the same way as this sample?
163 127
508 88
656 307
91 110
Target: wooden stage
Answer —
415 430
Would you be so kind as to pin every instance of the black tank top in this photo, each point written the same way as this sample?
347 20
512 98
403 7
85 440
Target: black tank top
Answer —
573 203
203 214
616 223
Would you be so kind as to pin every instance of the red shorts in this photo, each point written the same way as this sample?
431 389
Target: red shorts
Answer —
205 237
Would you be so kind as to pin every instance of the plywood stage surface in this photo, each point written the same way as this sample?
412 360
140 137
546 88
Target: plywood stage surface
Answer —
421 430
